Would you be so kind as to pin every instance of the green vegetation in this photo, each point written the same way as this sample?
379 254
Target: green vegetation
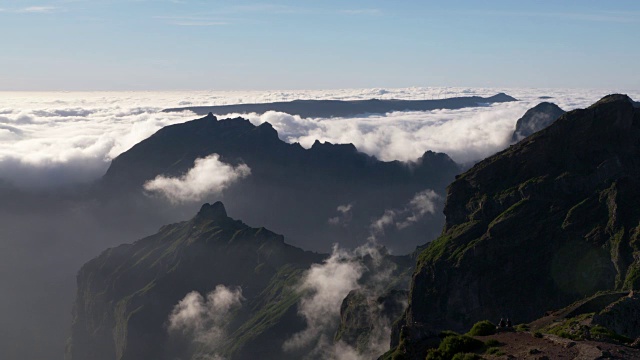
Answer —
494 351
453 345
601 332
482 328
492 343
467 356
574 328
522 327
446 333
437 248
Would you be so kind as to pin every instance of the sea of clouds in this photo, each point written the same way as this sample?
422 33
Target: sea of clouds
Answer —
58 138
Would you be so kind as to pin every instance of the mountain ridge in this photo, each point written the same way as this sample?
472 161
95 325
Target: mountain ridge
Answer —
285 178
555 209
347 108
140 300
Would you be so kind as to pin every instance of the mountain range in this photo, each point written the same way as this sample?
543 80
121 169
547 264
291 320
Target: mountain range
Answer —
316 197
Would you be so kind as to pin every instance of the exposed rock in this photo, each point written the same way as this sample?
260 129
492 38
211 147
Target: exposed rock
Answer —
536 119
365 318
544 223
622 316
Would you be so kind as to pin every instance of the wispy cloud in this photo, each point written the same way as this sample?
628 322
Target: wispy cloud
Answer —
267 8
198 23
612 16
37 9
361 11
191 21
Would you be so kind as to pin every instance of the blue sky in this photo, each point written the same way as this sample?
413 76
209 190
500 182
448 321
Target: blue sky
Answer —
229 45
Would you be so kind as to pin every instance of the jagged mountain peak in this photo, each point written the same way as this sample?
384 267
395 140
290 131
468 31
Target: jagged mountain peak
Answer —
536 119
215 211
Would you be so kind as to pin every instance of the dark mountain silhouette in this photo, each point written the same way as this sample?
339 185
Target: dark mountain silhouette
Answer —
544 223
292 190
340 108
536 119
127 294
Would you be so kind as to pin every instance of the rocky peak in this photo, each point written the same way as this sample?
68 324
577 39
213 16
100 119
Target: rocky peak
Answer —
215 212
267 131
327 146
613 98
536 119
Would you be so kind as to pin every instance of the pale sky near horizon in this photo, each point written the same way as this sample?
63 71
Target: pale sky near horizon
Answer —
231 45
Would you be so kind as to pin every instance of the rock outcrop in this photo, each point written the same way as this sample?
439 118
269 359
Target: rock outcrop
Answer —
622 316
535 227
536 119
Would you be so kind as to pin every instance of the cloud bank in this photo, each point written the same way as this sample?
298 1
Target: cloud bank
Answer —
57 138
208 175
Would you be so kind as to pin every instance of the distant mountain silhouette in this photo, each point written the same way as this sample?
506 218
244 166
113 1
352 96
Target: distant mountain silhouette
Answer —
341 108
292 190
536 119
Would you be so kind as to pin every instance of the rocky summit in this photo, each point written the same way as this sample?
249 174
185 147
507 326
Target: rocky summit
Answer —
536 119
546 222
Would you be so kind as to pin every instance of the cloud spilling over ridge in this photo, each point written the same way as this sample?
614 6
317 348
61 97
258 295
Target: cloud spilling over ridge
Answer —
203 320
420 205
324 287
57 138
466 135
207 176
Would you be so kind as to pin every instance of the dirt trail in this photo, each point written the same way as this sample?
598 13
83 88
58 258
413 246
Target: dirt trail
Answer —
522 345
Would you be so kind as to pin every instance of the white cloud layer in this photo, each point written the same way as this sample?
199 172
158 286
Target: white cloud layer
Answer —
208 175
55 138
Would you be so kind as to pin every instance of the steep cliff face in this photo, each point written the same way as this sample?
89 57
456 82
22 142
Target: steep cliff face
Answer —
537 226
126 295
